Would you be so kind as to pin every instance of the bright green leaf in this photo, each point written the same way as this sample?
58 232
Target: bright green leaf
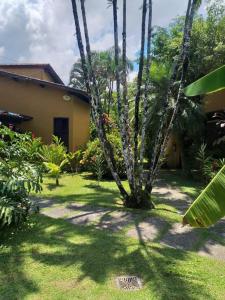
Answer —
209 207
210 83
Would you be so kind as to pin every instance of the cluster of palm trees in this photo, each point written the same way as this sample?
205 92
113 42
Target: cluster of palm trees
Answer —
133 134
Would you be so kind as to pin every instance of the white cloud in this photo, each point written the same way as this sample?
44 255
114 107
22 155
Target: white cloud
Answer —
42 31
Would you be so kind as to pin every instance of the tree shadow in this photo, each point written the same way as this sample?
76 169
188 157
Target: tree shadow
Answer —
53 186
100 257
14 282
100 196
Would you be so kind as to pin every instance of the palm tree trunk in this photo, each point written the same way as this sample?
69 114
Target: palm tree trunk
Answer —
123 107
110 87
80 45
163 134
95 100
146 88
139 84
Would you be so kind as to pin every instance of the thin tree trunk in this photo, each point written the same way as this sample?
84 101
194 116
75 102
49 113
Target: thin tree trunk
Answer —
80 45
123 108
95 101
146 89
110 87
184 61
163 124
139 85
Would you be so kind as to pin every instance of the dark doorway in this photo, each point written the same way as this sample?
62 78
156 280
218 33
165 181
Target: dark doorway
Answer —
61 130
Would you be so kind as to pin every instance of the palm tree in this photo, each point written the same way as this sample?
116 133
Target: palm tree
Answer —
139 84
138 196
166 127
104 68
94 95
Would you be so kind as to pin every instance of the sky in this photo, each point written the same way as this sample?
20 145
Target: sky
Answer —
42 31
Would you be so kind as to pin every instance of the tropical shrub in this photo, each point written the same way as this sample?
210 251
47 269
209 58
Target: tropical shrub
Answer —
98 167
204 164
55 152
20 173
94 153
207 165
55 157
74 159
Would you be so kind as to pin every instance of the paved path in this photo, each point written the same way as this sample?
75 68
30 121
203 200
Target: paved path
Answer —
148 229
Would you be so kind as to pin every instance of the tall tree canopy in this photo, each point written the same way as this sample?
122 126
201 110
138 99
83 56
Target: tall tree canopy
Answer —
207 51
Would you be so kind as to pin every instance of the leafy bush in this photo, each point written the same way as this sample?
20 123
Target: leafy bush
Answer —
95 153
55 157
55 152
208 166
20 172
74 159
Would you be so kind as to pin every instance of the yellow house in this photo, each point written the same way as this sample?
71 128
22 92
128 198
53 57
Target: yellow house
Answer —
212 103
35 99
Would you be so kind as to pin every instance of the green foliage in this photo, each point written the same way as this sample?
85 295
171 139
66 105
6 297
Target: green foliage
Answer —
20 173
98 167
55 152
209 207
207 52
207 42
205 163
55 170
210 83
94 152
75 163
55 157
104 67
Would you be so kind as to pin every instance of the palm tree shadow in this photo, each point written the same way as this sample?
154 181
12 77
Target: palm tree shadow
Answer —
16 281
99 255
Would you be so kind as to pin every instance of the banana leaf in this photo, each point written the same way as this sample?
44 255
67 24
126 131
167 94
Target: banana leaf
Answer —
212 82
209 207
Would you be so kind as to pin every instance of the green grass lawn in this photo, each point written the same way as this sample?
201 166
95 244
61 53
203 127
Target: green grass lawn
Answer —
52 259
84 189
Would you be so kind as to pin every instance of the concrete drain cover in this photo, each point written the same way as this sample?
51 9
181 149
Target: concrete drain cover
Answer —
129 283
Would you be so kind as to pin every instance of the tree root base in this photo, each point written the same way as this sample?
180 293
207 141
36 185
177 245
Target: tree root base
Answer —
141 201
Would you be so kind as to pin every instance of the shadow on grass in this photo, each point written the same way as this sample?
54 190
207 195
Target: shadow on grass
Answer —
175 178
14 282
100 256
100 196
53 186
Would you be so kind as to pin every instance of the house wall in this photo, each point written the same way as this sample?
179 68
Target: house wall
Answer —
34 72
214 102
44 104
172 153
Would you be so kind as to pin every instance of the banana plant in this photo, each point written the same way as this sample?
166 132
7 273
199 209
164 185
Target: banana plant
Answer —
209 207
212 82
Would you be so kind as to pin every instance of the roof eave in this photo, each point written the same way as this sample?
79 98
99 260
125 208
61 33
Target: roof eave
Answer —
42 83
